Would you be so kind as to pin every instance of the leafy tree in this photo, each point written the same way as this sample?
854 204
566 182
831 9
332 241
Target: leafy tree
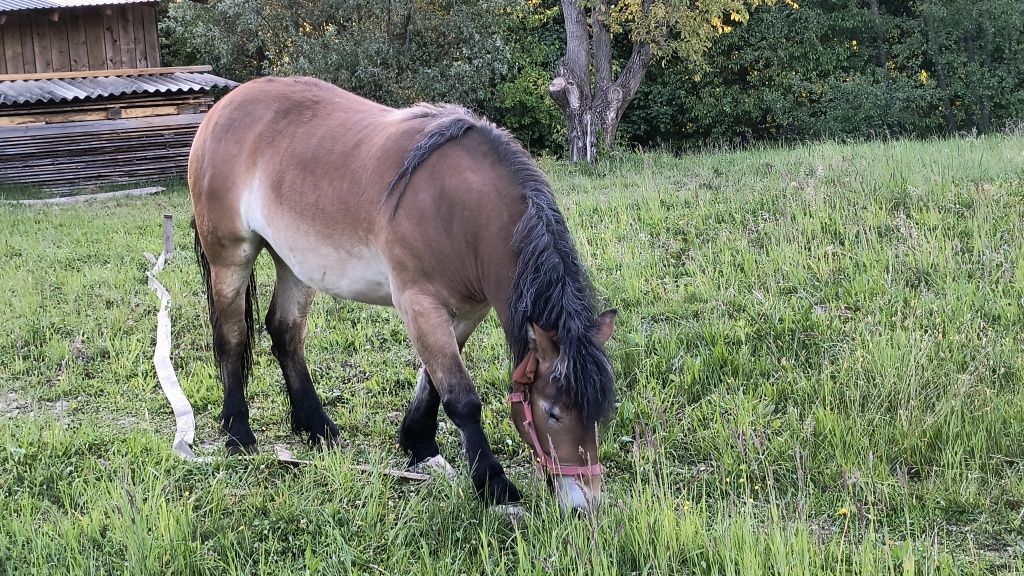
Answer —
396 52
841 69
670 29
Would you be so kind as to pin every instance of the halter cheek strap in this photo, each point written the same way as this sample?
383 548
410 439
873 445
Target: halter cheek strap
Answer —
524 375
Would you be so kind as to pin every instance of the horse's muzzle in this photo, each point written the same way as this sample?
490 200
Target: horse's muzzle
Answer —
576 493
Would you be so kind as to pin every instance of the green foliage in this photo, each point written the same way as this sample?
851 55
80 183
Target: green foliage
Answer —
724 72
523 105
395 52
815 72
819 357
489 55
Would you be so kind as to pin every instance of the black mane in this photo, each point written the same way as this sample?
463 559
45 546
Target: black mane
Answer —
551 287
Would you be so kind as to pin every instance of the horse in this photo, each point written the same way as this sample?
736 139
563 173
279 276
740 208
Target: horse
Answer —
429 209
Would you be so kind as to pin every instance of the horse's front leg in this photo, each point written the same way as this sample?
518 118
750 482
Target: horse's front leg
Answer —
432 332
418 433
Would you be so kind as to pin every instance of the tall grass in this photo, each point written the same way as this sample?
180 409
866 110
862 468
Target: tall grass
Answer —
820 363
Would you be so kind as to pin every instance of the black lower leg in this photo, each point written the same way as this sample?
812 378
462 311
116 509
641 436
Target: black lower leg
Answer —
307 411
489 479
418 433
234 418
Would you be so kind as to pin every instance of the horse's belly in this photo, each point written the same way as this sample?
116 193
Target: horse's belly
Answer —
356 274
338 265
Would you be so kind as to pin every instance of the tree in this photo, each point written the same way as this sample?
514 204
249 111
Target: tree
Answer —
397 52
592 99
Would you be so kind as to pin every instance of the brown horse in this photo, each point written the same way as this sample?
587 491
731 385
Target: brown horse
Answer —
428 209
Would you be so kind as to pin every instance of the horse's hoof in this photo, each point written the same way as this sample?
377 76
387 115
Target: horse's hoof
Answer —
435 464
332 441
513 512
499 490
247 450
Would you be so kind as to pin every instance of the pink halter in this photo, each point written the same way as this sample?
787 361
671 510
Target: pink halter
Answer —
524 375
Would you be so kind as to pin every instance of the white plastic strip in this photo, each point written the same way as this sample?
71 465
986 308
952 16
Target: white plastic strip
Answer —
185 430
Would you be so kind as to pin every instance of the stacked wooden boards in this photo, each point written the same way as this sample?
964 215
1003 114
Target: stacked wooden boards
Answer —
89 154
82 130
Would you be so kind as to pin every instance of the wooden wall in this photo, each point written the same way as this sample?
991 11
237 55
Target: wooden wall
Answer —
88 38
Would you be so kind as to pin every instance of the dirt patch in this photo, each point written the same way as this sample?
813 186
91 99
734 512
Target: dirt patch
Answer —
13 405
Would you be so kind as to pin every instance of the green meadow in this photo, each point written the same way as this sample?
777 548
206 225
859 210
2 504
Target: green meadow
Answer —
820 360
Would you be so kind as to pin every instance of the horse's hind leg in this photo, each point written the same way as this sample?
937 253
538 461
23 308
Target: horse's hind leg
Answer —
231 291
418 433
286 323
431 330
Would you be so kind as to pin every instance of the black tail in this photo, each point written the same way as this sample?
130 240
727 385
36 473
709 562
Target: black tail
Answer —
251 307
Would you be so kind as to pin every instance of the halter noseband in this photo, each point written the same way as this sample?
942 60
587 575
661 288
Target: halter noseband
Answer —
524 375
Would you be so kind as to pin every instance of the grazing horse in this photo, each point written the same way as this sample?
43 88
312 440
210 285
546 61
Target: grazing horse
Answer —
429 209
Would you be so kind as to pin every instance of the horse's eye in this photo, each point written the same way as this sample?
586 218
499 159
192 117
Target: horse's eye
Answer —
554 417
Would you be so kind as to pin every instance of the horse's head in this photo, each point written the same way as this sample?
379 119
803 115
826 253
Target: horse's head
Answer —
562 437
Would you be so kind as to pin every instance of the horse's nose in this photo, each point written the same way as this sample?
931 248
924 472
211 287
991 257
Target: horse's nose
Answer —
579 494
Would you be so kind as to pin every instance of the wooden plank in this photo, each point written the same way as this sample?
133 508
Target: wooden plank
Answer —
3 51
59 49
86 198
16 144
52 118
41 41
104 126
28 53
57 117
111 39
126 29
93 158
152 35
141 57
150 144
78 49
102 73
93 22
11 31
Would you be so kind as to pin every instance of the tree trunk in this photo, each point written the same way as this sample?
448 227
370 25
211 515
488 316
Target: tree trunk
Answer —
570 88
880 54
934 57
590 113
576 106
985 122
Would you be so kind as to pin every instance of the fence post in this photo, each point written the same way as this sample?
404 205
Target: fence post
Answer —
168 237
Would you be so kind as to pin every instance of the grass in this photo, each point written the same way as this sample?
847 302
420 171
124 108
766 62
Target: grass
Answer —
820 360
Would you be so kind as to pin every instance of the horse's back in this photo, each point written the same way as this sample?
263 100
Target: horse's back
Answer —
305 167
273 125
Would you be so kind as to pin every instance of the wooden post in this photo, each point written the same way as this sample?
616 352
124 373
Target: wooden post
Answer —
168 237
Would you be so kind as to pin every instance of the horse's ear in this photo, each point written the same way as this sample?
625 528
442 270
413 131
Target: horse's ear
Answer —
605 325
542 342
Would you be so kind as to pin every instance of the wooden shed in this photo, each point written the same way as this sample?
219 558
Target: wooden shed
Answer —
84 99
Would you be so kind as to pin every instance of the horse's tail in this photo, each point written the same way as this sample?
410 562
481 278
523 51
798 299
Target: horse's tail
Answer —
251 304
204 270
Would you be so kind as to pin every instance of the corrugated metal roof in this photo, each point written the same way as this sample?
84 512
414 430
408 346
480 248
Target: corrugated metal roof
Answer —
71 89
14 5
